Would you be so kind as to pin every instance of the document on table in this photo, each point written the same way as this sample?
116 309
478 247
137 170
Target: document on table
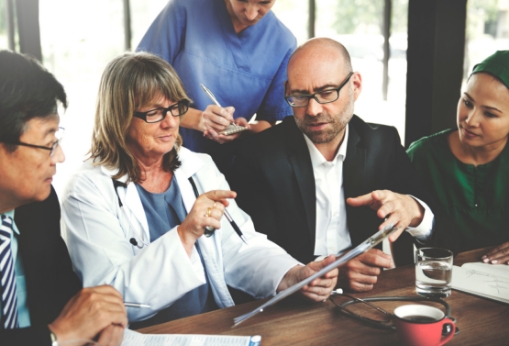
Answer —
482 279
132 338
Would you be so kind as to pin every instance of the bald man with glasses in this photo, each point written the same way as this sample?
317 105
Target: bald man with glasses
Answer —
323 180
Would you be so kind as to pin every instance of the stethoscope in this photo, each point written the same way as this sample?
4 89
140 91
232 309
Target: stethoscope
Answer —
141 243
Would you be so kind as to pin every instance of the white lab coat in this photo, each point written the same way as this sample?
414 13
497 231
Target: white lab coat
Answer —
99 233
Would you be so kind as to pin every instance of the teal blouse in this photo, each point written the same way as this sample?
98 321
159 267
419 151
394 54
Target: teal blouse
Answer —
476 199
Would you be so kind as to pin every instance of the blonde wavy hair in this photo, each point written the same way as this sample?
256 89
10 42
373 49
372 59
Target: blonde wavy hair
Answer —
129 82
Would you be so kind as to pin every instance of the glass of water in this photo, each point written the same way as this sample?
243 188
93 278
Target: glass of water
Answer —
433 272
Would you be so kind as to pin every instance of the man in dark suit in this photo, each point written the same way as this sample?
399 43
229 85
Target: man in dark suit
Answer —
324 180
41 300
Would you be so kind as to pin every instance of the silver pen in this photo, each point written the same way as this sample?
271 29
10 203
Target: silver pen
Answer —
210 95
136 305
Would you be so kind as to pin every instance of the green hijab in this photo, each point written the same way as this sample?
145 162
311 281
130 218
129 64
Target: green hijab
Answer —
497 65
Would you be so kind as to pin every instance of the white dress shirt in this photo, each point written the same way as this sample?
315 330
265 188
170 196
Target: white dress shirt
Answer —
331 232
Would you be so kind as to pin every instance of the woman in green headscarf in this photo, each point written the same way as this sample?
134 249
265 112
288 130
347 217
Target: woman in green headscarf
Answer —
467 168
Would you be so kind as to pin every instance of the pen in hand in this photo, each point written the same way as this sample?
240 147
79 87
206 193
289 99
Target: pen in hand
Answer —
212 97
235 226
232 128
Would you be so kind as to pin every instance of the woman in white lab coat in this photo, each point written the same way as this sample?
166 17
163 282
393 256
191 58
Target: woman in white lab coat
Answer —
133 219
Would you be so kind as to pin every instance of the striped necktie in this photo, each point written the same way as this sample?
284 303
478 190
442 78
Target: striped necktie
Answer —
7 276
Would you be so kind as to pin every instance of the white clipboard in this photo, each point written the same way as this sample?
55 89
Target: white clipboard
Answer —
359 249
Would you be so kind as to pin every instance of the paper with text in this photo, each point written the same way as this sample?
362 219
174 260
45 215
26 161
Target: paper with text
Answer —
132 338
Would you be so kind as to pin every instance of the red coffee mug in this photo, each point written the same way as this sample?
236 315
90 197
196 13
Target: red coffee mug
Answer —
422 325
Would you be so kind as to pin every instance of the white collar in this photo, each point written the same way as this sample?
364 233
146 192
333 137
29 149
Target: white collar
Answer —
318 159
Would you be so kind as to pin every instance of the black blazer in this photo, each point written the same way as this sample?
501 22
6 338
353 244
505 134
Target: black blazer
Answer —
273 176
50 280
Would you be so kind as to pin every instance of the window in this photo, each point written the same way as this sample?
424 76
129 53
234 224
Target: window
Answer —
78 39
4 39
143 14
358 25
487 31
293 14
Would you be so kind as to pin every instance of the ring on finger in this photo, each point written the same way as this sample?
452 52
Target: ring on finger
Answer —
209 211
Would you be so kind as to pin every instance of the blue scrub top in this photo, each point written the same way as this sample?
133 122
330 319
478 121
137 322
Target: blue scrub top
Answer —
245 70
164 211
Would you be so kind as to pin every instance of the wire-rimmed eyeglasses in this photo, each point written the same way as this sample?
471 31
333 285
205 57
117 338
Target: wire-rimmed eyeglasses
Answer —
158 114
324 96
59 135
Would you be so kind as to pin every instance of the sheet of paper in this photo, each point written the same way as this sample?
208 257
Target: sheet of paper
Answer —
132 338
481 279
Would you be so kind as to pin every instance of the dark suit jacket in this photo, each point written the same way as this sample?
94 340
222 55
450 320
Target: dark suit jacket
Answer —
50 280
273 176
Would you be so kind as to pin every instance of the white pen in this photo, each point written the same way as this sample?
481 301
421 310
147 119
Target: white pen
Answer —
136 305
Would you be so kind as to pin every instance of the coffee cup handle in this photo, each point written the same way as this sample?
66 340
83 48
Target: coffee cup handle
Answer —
449 336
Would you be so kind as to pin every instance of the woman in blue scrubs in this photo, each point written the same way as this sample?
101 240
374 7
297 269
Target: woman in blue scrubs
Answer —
239 50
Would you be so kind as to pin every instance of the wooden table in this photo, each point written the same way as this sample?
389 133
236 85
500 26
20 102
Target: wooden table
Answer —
295 321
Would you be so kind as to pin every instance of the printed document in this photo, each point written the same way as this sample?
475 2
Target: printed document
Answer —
133 338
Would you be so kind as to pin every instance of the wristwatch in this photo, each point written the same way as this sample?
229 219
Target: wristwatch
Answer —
53 336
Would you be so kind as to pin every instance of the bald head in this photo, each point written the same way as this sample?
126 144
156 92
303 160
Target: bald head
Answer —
322 89
319 50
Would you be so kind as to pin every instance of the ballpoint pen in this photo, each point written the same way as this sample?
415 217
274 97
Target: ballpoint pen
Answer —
235 226
136 305
210 95
209 230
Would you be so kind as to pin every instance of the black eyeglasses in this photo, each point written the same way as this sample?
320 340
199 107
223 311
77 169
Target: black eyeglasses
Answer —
158 114
59 135
324 96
